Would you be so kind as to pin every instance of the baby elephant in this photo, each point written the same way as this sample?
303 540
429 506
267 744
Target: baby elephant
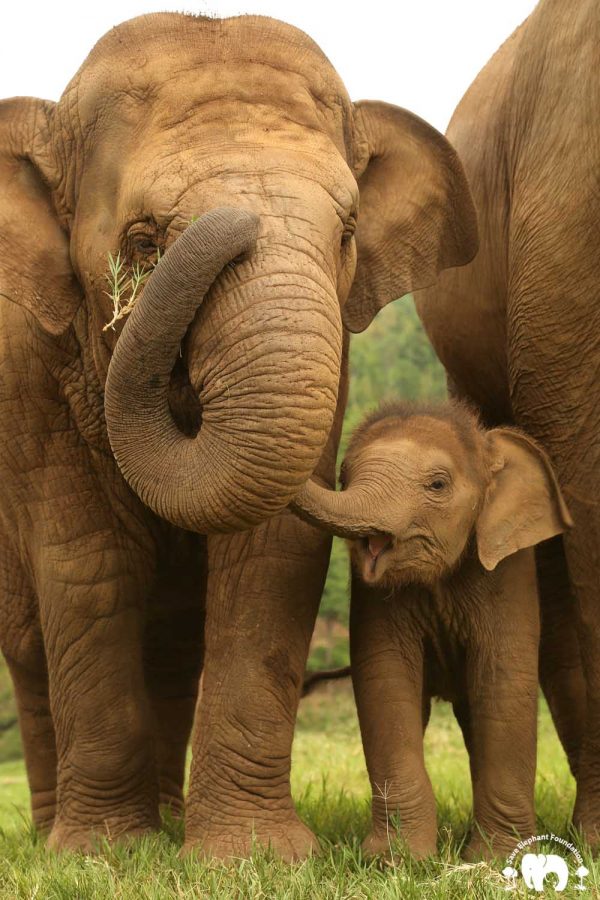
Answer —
440 513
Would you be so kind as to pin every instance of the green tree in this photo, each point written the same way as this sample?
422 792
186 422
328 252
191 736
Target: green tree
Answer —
391 359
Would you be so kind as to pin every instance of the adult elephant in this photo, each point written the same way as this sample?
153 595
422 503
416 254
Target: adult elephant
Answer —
225 392
519 329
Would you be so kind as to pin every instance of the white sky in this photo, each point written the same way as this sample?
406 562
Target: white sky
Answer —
421 54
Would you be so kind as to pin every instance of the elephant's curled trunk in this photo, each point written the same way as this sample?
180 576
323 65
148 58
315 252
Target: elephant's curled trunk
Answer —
166 469
232 475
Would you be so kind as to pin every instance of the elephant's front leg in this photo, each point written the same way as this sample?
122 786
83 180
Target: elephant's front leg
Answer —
561 671
173 651
23 647
502 690
387 673
263 594
583 554
91 595
553 352
37 733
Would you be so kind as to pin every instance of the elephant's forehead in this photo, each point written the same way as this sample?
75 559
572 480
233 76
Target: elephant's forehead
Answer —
182 61
410 453
418 436
245 101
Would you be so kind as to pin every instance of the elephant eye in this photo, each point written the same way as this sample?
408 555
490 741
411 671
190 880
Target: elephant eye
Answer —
145 245
349 228
143 242
437 484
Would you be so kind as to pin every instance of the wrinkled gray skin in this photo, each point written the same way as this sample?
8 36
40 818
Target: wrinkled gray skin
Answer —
518 330
225 392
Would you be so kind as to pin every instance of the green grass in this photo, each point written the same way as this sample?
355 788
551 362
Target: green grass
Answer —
10 740
331 790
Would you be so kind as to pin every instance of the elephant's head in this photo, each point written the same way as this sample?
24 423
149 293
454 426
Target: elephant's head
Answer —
244 125
535 868
417 483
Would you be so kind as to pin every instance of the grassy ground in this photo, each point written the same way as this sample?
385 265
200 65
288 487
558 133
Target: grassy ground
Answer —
331 790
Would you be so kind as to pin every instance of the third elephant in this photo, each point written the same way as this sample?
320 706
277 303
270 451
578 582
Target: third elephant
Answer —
518 330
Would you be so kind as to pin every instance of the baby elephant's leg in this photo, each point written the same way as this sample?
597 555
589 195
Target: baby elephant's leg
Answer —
387 671
502 687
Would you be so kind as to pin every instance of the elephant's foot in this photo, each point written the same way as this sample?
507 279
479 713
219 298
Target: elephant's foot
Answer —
89 839
588 826
172 806
482 848
395 846
586 814
590 836
171 797
43 810
477 850
290 841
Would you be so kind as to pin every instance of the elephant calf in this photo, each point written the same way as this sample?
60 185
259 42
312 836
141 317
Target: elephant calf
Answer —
444 603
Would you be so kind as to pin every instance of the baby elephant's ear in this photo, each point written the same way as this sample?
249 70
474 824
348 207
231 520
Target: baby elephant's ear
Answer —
524 504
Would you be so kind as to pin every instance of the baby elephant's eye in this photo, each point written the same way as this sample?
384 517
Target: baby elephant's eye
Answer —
437 485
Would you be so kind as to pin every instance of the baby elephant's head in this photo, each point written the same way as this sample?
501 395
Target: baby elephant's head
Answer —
420 483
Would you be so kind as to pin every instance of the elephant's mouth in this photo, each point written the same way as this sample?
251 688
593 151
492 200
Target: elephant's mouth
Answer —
373 547
386 559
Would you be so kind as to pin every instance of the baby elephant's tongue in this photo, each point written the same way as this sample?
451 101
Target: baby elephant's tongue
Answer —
378 543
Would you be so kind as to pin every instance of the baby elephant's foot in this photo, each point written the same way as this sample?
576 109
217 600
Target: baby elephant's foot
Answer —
90 840
395 846
482 847
171 804
586 818
43 810
290 842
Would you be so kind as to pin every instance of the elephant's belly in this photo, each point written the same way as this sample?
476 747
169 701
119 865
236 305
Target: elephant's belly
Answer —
444 670
468 334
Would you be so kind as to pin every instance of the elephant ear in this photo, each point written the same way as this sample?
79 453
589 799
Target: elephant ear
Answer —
416 211
524 504
35 266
